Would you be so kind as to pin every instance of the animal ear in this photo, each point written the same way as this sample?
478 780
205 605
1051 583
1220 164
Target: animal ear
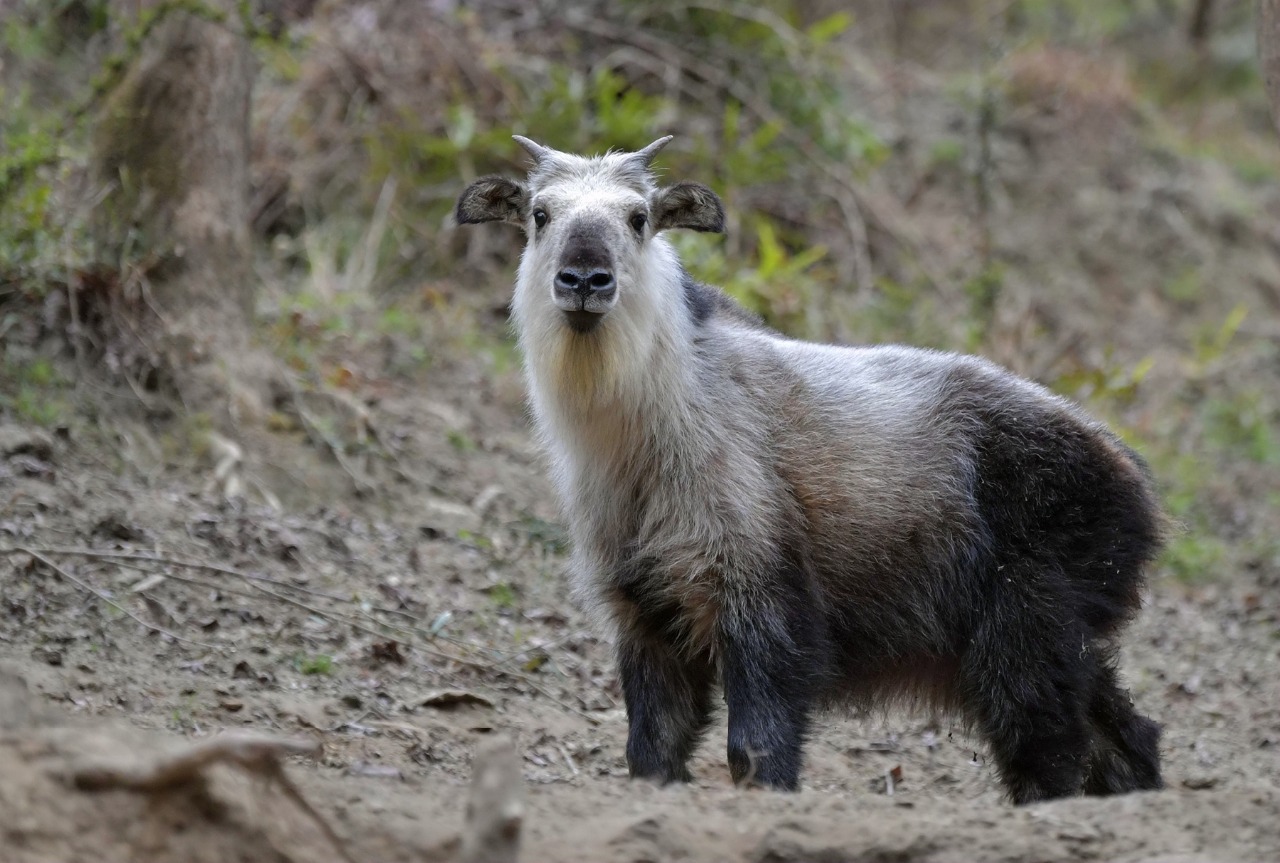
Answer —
492 199
688 205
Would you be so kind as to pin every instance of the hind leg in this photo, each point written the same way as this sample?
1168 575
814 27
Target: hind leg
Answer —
1024 682
1126 754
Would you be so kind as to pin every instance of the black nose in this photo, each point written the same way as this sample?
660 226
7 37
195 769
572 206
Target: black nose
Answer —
586 283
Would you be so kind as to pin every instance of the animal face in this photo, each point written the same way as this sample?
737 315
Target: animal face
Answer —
591 225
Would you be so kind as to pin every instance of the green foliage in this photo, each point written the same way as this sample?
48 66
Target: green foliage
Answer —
477 540
1110 382
946 153
321 663
1212 341
460 440
753 154
503 595
33 390
36 406
778 283
983 292
906 312
550 537
36 29
1244 424
1185 287
40 373
766 60
1085 19
1194 558
43 136
36 235
826 29
1171 80
765 115
1185 474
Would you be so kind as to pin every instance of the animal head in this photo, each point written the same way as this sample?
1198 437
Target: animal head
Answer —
592 225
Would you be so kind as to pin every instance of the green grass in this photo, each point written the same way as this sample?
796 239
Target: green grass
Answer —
321 663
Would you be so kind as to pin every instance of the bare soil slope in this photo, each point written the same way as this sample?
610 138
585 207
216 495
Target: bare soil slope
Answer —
398 630
404 601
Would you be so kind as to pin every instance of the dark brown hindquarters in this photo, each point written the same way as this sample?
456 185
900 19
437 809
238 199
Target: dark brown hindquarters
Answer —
1072 522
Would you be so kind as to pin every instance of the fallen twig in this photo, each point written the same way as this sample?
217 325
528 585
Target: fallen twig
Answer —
83 585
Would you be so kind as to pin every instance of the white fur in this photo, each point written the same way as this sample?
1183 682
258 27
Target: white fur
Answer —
702 446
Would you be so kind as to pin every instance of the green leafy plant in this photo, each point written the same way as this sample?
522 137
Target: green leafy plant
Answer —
779 284
321 663
503 595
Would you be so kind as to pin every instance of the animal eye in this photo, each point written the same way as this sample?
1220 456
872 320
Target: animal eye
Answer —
539 217
638 222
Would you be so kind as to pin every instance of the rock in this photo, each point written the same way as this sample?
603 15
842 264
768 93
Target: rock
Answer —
449 518
19 440
15 699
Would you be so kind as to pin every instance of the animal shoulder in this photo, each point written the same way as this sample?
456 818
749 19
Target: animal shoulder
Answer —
707 302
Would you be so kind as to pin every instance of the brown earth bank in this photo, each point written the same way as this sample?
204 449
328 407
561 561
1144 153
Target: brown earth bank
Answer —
398 630
365 576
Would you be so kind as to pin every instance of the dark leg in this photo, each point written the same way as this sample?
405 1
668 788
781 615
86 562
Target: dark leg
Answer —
1126 755
1025 679
773 659
668 706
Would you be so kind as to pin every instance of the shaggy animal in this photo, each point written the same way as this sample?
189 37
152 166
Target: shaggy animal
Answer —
809 525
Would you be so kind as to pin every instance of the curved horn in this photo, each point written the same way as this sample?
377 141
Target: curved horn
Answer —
534 149
647 155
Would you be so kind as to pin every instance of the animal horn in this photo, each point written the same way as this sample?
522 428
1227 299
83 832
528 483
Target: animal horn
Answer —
647 155
534 149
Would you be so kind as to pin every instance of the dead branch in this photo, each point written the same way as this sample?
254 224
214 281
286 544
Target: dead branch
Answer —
316 431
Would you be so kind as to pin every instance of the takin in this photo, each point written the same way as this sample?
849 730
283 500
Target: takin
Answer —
808 525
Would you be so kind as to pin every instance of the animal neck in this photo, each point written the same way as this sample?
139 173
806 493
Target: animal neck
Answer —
611 386
611 398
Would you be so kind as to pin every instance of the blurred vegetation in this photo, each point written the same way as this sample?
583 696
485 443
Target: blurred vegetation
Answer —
1076 189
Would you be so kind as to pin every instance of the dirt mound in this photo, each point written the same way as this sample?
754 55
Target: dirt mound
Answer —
403 634
375 566
78 791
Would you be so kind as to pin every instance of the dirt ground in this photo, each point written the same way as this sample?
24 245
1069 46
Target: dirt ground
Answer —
401 606
398 628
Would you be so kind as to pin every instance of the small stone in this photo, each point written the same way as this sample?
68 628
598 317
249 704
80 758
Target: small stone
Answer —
18 440
48 656
1200 782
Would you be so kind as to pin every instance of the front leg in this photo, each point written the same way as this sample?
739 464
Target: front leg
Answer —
668 705
773 663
